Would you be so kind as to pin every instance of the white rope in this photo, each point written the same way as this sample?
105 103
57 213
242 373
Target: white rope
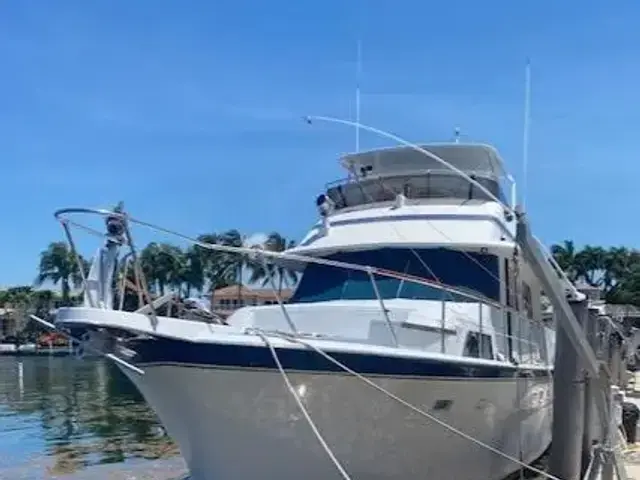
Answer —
417 410
303 409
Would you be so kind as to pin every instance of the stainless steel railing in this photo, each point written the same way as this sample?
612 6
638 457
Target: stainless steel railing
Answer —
131 258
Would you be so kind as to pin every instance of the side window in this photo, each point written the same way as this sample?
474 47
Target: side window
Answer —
478 346
486 347
499 322
472 346
538 349
526 300
524 340
515 339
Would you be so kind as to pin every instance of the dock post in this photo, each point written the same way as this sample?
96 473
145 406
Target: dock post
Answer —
611 425
568 403
615 361
590 390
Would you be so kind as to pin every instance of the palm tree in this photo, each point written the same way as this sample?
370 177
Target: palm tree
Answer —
58 265
173 265
43 301
149 265
619 262
5 298
131 298
214 265
233 264
21 300
275 243
565 256
591 263
627 290
162 265
194 269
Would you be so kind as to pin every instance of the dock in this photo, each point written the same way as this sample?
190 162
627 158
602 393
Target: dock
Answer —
631 452
35 351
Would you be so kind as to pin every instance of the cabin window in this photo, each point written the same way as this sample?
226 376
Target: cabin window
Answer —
530 342
539 345
478 345
471 271
527 344
526 300
499 322
522 341
436 184
509 327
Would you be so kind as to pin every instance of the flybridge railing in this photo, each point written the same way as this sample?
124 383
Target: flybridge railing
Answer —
118 235
424 184
413 173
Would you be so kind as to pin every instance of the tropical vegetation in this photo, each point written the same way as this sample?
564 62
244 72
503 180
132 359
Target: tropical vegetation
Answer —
615 270
196 270
187 271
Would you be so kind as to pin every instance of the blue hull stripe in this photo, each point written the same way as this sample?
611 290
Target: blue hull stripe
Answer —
168 351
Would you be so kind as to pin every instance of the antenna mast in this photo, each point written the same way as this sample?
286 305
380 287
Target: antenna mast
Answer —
525 133
358 74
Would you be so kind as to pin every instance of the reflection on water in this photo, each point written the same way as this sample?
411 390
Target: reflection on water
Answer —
60 415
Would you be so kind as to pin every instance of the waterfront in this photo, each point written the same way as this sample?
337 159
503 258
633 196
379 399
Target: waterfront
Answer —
65 418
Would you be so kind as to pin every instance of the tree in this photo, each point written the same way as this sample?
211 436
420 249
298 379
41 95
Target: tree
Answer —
233 264
214 266
628 289
591 262
615 270
565 256
131 300
162 265
59 266
619 262
193 274
43 301
283 275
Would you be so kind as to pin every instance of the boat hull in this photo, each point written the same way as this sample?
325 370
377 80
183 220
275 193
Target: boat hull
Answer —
243 423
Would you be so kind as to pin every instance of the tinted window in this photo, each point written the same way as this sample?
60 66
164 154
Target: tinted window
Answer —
472 271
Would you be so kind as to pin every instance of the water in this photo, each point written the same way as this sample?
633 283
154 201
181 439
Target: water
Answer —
65 418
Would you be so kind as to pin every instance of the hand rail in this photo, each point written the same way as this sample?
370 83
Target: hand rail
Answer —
480 330
264 255
286 256
123 284
138 268
443 347
285 312
75 255
385 312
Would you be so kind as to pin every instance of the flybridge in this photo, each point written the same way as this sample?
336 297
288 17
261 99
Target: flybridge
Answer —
477 159
383 174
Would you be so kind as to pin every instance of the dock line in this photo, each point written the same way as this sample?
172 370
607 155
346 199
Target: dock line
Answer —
294 339
110 356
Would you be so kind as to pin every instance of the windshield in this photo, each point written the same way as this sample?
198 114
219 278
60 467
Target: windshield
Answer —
471 271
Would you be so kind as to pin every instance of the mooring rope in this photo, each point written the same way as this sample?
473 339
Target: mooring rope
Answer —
303 409
382 390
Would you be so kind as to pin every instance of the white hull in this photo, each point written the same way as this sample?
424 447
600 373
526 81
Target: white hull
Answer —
241 423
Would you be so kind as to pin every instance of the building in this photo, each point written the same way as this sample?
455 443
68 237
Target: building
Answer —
225 301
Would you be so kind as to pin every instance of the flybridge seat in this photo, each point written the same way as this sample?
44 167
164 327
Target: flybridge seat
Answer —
380 175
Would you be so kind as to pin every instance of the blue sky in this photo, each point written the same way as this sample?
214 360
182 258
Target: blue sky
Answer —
190 111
